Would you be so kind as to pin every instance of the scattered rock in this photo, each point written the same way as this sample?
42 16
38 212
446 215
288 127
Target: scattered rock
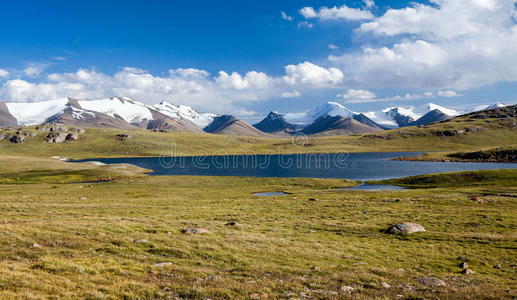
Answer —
78 130
498 266
478 199
406 228
386 285
347 289
467 271
315 268
2 136
58 137
141 241
101 234
35 245
431 281
122 136
194 230
312 199
232 224
398 200
17 139
463 265
72 137
161 265
464 258
58 129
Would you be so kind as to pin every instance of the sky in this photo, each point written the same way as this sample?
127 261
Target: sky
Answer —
250 57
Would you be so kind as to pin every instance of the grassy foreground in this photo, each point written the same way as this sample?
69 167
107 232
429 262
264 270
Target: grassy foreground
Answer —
77 240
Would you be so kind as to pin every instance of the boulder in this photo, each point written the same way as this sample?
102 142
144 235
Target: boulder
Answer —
17 139
56 137
77 130
406 228
141 241
58 129
123 136
72 137
431 281
194 230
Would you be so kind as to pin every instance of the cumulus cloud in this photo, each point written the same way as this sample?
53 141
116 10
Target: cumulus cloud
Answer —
458 44
369 3
4 73
309 74
448 94
335 13
33 71
333 47
365 96
358 95
285 16
293 94
223 93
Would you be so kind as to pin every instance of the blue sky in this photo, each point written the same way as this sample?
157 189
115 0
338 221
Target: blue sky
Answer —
106 38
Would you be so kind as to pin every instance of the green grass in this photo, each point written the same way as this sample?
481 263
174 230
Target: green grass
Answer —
486 178
286 246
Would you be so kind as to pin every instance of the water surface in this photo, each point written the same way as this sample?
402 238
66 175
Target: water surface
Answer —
354 166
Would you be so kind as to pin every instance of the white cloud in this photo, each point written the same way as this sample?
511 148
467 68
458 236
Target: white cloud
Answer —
369 3
4 73
305 24
448 94
252 80
223 93
452 44
293 94
285 16
59 58
309 74
33 71
334 13
359 95
333 47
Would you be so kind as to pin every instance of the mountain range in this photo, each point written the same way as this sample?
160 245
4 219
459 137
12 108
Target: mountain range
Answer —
125 113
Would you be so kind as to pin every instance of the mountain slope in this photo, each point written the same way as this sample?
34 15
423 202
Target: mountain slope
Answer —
430 117
275 123
338 125
6 119
227 124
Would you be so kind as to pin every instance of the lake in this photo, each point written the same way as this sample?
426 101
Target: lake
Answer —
353 166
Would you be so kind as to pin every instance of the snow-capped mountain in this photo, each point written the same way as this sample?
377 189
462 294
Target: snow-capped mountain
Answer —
397 116
128 110
484 107
328 109
109 112
183 111
275 122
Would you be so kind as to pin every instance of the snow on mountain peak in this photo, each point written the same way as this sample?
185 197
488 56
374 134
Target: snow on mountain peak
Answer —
186 112
35 113
423 109
127 109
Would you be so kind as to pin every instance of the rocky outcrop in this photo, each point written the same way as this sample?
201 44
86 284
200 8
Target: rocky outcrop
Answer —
56 137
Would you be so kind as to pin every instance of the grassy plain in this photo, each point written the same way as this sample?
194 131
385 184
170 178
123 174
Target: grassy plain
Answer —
66 237
77 240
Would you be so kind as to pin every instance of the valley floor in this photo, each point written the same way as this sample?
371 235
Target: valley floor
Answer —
123 239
